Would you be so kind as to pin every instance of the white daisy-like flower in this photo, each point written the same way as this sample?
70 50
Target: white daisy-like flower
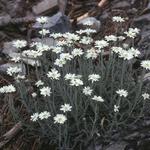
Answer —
135 52
39 83
45 91
146 96
86 40
116 108
118 19
66 108
56 49
70 76
121 38
53 74
60 119
19 43
116 49
42 20
91 53
87 90
7 89
94 77
146 64
110 38
44 32
34 95
56 35
98 98
44 115
34 117
42 47
126 55
20 77
77 52
76 82
122 93
32 53
60 62
101 44
13 70
16 59
66 56
132 32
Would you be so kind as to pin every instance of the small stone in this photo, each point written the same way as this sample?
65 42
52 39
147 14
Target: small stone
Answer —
44 6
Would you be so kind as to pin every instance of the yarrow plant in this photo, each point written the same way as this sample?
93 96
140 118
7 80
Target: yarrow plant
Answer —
82 89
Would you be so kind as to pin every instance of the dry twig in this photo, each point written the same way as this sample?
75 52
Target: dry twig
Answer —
10 134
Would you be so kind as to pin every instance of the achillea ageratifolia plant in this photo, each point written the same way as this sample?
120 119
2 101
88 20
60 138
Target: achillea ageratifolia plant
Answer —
83 89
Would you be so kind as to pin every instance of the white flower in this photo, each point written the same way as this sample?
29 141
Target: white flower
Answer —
45 91
111 38
39 83
94 77
146 96
42 20
117 49
65 56
122 92
146 64
44 32
19 43
91 53
32 53
60 62
98 98
132 32
116 108
7 89
77 52
87 90
42 47
60 118
56 35
34 117
135 52
44 115
56 49
70 76
16 59
86 40
121 38
53 74
101 44
118 19
70 37
62 43
126 55
76 82
13 70
87 31
20 77
34 94
66 108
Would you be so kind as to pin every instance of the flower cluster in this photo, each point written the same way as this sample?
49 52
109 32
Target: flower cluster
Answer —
75 80
7 89
43 115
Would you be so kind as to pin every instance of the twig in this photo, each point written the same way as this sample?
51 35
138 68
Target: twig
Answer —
100 5
8 20
10 134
